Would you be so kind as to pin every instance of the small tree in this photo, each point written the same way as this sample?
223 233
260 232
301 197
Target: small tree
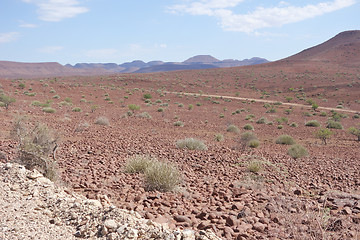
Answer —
6 100
323 134
355 131
147 96
315 106
133 107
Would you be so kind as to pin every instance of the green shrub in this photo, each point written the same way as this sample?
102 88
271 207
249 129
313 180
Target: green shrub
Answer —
254 143
334 125
6 100
255 166
36 103
280 127
294 124
178 124
190 106
261 120
133 107
48 110
246 138
68 100
191 144
160 110
138 163
355 131
219 137
250 116
76 109
297 151
323 114
162 176
312 123
232 128
285 139
147 96
102 121
323 134
248 127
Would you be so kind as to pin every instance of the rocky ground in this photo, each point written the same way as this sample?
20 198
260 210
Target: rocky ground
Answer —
33 207
315 197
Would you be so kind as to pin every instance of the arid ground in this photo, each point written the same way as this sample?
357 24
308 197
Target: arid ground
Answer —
313 197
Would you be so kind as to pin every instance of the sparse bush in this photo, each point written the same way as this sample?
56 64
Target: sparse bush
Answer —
48 110
138 163
144 115
147 96
246 138
255 166
355 131
133 107
323 134
82 126
261 120
312 123
178 124
162 176
190 106
35 147
232 128
160 110
248 127
254 143
297 151
219 137
294 124
334 125
6 100
191 144
285 139
280 126
102 121
76 109
323 114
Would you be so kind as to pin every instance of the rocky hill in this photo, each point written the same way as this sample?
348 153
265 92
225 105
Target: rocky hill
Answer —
343 49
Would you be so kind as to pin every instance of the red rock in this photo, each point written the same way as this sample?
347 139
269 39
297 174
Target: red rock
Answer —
260 227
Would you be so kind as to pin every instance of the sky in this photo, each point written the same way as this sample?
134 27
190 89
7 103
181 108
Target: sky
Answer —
118 31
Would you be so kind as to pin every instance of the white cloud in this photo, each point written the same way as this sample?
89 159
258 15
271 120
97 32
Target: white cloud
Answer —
27 25
260 17
51 49
57 10
8 37
204 7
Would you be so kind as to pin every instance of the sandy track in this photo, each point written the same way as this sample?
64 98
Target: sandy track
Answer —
262 101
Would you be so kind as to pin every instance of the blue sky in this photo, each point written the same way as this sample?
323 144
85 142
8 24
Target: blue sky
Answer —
72 31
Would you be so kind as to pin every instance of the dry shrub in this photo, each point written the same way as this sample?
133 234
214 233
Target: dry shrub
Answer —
162 176
285 140
138 163
191 144
102 121
36 144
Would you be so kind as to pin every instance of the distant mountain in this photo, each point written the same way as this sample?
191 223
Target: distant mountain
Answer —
202 59
29 70
196 62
